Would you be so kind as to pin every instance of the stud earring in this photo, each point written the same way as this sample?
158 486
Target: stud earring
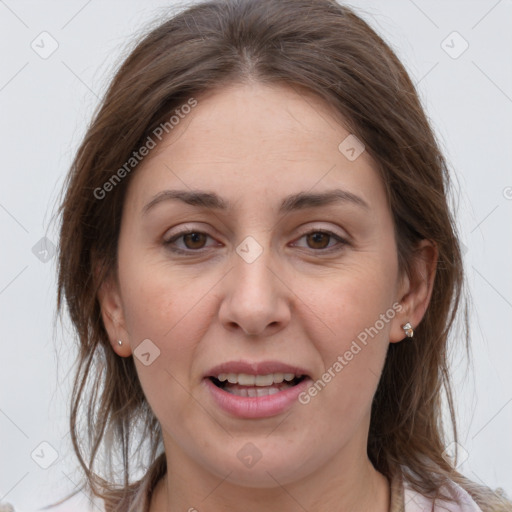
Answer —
409 331
119 342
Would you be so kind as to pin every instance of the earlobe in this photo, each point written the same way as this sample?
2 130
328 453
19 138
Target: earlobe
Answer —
112 314
415 291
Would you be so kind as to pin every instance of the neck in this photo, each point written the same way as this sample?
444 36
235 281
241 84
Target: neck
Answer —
337 487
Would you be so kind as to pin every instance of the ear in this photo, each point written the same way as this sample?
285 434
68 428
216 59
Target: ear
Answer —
112 313
415 290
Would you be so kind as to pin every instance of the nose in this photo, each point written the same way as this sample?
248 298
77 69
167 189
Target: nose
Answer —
255 298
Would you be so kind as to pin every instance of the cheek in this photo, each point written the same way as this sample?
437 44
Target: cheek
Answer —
171 308
158 307
353 313
349 300
160 300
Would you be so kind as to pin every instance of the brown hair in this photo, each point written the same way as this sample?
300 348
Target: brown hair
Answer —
323 47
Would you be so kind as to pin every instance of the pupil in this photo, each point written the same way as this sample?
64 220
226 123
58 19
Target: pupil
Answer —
318 238
195 238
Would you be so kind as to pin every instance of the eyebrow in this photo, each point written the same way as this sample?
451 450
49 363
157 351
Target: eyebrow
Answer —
299 201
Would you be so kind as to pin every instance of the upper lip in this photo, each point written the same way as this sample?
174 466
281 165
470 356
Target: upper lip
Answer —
255 368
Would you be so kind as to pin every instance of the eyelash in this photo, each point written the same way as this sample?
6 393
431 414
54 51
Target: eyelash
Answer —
168 243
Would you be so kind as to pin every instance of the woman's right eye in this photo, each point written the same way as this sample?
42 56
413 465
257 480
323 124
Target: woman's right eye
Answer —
191 241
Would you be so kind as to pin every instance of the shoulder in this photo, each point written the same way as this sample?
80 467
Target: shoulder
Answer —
416 502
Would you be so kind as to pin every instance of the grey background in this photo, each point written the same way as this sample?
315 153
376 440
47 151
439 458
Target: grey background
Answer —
45 105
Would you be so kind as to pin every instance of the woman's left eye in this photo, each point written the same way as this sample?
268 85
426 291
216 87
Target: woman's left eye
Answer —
321 240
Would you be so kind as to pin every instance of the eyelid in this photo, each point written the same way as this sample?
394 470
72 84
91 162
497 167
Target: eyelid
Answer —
315 229
183 229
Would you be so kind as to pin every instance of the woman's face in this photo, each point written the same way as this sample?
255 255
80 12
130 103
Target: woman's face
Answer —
290 267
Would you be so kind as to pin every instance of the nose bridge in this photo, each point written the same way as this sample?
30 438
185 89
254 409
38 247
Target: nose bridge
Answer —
255 300
253 276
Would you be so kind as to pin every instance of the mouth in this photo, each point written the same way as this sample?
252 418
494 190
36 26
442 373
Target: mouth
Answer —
253 390
254 386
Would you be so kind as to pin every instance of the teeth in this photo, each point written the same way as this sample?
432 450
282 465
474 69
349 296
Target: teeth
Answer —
264 380
253 392
243 379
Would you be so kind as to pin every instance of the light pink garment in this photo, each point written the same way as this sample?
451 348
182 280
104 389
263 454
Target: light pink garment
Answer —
415 502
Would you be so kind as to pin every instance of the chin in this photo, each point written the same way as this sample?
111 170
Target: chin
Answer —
263 471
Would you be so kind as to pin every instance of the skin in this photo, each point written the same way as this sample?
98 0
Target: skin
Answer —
253 145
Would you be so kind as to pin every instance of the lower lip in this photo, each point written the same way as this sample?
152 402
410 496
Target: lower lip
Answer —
256 407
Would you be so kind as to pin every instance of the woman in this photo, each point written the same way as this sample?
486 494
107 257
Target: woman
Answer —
262 269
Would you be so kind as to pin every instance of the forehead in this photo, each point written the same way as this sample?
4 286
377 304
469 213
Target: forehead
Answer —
254 118
253 140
